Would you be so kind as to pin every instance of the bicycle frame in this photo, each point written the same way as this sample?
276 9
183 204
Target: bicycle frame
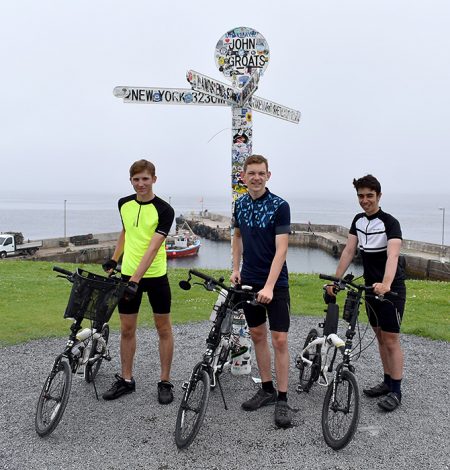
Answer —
326 343
341 406
221 341
83 349
329 344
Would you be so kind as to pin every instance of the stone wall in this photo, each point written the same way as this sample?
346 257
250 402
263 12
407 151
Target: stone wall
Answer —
101 237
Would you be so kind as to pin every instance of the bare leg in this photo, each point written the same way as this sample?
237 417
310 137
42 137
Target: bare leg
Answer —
127 343
280 346
164 329
393 354
262 351
382 350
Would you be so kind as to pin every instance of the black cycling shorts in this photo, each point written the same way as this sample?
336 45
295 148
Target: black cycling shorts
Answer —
158 292
277 311
387 314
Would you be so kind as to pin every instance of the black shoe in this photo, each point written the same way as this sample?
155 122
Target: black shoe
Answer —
377 391
283 414
390 402
261 398
119 387
165 394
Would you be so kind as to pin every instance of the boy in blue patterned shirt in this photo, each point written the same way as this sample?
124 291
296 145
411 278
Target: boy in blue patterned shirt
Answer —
261 230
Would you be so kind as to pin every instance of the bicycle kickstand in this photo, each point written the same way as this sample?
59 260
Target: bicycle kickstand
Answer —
221 392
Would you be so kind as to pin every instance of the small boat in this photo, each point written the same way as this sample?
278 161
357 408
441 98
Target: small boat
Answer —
183 243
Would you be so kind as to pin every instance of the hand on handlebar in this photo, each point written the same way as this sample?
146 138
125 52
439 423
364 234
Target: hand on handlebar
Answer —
109 265
265 295
381 288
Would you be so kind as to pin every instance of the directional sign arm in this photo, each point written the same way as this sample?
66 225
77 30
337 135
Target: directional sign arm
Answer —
274 109
213 87
249 88
183 96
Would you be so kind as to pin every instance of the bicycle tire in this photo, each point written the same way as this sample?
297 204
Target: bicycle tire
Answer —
309 373
340 414
192 408
91 370
53 399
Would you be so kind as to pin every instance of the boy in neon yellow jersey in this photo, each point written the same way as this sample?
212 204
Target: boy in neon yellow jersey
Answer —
146 221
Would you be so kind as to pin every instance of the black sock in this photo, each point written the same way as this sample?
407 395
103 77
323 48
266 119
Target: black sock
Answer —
282 396
396 387
268 387
387 380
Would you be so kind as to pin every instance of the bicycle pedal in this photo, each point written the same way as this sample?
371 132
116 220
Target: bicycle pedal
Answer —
107 357
300 389
185 385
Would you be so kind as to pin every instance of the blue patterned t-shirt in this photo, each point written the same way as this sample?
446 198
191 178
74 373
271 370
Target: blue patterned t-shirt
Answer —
259 222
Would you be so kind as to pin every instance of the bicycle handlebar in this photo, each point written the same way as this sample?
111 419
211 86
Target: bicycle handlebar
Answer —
212 281
209 279
62 271
341 283
70 275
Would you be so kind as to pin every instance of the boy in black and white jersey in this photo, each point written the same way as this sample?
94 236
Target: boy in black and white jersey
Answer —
379 238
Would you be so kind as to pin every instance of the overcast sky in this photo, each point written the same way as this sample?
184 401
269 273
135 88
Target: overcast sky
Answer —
371 79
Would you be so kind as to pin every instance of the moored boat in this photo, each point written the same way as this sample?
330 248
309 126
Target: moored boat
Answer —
183 243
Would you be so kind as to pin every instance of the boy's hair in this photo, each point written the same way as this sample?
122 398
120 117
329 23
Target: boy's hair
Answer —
255 159
368 181
142 165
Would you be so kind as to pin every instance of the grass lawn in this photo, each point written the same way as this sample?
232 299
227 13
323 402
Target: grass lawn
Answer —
33 300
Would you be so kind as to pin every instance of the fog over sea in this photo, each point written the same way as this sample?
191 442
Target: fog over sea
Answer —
40 216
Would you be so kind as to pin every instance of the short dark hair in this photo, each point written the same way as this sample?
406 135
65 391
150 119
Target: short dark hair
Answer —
252 159
368 181
142 165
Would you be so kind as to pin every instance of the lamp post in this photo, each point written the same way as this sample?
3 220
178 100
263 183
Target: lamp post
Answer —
443 224
443 227
65 203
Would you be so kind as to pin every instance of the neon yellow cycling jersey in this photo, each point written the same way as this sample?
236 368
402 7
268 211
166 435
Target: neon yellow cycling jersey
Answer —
141 220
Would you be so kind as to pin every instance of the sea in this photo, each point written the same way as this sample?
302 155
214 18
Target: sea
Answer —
49 215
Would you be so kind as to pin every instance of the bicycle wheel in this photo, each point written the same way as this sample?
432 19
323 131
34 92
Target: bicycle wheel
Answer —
192 408
53 398
309 373
97 348
340 412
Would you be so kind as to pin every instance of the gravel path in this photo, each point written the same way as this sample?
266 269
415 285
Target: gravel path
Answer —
134 432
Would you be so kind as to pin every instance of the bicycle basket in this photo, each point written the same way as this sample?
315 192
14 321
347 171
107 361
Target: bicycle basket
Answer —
94 297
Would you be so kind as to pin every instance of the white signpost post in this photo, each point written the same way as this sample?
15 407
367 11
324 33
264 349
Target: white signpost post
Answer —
242 55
